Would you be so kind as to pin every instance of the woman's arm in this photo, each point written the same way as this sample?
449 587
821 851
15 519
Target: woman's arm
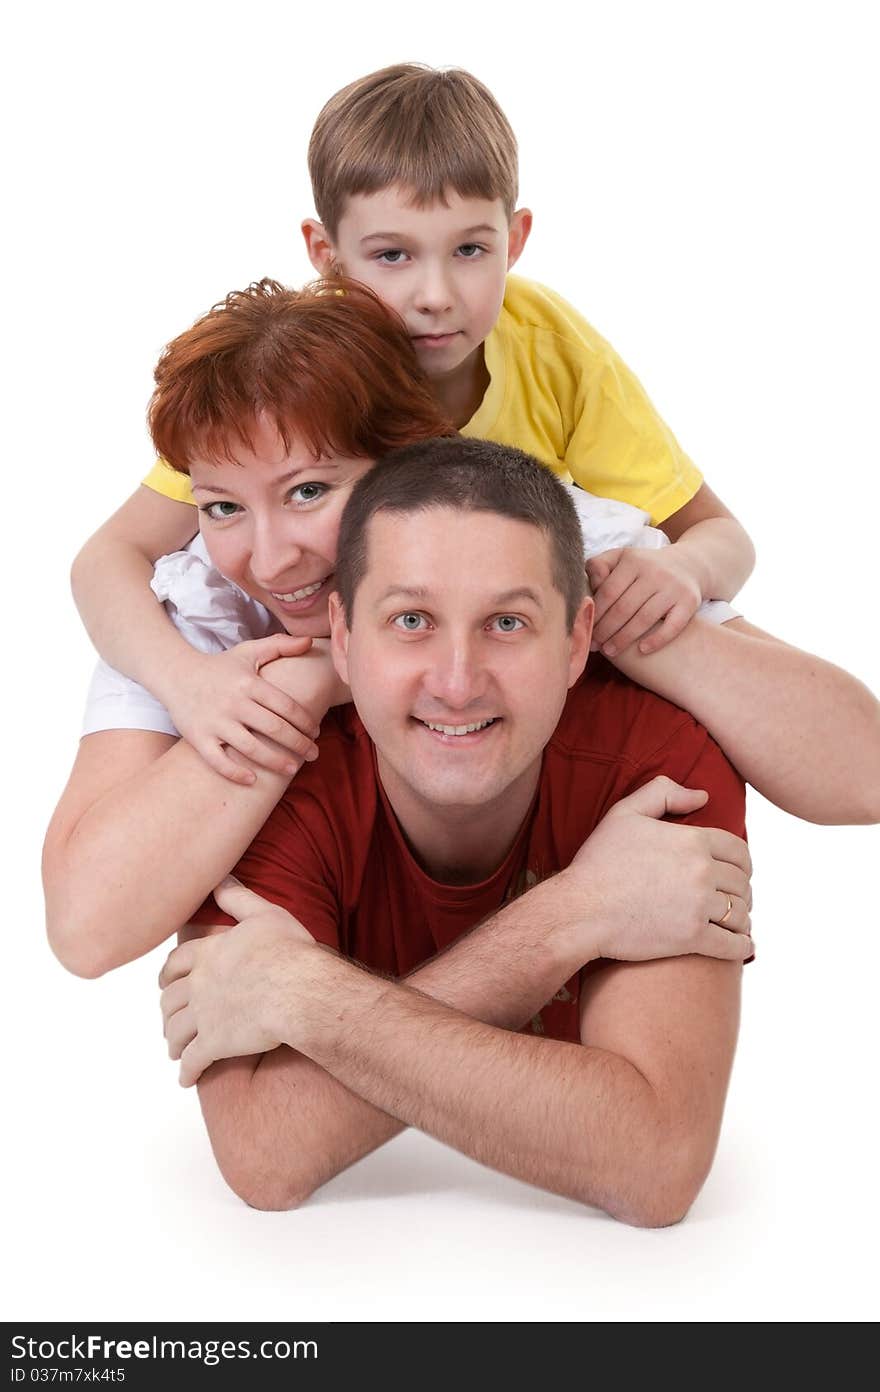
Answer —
145 829
803 732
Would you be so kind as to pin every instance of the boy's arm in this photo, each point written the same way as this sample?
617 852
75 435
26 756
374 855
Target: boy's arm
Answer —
111 585
649 597
715 543
145 829
803 732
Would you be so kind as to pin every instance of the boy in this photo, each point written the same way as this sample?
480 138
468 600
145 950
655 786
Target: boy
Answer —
415 179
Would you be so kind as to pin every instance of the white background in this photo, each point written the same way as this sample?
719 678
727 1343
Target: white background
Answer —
704 185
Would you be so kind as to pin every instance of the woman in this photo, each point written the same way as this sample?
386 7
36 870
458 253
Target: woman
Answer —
275 403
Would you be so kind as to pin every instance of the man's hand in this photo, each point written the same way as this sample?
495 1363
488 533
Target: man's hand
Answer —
638 590
221 994
663 890
221 700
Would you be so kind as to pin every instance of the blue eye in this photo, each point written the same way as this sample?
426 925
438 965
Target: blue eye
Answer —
508 623
410 623
309 492
219 512
470 251
391 257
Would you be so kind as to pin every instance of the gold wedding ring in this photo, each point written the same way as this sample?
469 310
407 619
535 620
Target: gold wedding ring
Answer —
727 912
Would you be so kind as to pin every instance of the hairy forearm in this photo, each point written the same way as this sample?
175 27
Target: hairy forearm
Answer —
721 555
581 1122
283 1126
803 732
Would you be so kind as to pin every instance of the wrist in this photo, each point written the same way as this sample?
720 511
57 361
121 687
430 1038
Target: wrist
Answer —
690 555
303 1004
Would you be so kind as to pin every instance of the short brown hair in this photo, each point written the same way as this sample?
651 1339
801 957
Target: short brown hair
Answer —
330 362
427 129
471 476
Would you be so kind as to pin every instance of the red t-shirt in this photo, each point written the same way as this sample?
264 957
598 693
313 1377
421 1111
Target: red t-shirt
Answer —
333 854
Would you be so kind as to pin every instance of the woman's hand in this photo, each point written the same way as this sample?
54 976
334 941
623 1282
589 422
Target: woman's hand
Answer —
222 701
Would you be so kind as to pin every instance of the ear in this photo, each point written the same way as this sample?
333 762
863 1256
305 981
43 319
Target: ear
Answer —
319 246
580 640
518 235
339 637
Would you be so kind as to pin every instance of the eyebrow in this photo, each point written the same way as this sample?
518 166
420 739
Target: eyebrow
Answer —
276 483
522 592
480 230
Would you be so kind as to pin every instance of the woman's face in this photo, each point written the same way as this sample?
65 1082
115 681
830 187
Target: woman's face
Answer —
270 522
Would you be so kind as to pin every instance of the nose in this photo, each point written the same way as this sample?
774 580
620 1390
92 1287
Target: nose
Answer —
275 555
433 293
458 676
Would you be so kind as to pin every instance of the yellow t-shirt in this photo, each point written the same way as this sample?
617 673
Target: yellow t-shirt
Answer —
561 393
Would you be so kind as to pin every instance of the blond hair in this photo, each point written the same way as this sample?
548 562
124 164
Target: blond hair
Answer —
427 129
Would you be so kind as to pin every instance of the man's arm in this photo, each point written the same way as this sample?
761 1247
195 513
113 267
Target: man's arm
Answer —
627 1121
281 1126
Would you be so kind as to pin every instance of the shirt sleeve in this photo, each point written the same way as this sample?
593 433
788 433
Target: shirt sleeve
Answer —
169 482
286 865
692 758
619 446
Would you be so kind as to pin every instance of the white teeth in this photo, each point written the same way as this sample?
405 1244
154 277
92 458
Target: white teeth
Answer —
458 729
300 594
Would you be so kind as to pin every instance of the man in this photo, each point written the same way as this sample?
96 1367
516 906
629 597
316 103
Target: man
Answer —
480 763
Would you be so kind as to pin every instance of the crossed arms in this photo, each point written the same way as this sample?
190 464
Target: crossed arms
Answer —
628 1119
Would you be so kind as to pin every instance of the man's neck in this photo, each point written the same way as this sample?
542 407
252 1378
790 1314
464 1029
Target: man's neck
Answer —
461 392
460 845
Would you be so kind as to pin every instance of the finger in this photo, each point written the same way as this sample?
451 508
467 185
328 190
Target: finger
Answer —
609 592
732 910
255 748
175 997
650 614
193 1062
660 798
180 1032
730 947
263 650
237 900
293 737
601 566
265 693
178 963
629 604
675 622
724 845
215 757
730 879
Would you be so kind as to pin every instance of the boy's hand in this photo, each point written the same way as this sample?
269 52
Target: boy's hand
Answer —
639 592
221 701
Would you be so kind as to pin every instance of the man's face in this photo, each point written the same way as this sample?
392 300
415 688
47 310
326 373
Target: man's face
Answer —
442 268
458 657
270 522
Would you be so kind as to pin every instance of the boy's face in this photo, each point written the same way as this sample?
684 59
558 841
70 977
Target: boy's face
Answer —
442 268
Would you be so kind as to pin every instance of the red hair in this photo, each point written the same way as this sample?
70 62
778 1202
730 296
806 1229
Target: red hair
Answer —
329 363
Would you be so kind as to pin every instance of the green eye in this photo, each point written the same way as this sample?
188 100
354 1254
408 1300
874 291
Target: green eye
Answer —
308 492
219 512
